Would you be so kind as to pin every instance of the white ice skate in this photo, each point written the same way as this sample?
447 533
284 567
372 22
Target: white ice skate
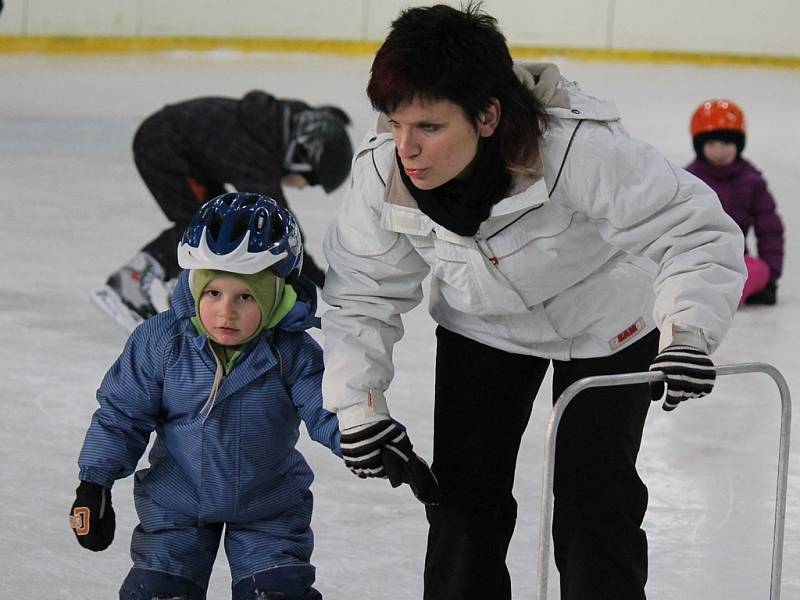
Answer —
135 292
107 300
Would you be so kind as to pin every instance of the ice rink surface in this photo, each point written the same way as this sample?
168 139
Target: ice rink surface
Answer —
72 209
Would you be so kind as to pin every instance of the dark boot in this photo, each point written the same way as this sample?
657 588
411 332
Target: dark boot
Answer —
293 582
145 584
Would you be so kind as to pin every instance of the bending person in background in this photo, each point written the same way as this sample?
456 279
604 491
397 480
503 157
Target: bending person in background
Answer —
552 238
188 152
718 136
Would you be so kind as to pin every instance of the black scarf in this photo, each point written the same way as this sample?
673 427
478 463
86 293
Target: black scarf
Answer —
461 205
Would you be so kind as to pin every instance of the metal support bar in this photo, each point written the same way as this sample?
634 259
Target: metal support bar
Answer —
546 514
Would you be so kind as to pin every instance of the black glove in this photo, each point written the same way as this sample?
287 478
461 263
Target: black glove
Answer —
383 449
690 374
765 296
92 516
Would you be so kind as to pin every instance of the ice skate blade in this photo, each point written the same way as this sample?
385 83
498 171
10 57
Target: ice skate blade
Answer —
107 300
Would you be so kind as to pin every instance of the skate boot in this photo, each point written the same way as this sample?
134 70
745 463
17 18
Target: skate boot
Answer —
135 292
160 293
144 584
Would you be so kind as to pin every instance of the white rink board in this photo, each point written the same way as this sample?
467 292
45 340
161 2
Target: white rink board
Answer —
740 27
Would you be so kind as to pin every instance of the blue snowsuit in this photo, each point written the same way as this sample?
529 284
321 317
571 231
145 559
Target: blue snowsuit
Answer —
230 460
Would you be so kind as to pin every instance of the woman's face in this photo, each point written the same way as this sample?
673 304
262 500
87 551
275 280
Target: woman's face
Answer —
435 140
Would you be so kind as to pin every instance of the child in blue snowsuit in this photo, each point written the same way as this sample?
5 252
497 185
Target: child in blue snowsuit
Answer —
224 379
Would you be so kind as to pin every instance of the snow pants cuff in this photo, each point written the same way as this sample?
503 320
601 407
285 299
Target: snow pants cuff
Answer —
146 584
289 582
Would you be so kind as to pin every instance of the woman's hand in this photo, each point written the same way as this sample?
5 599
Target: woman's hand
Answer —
382 449
690 374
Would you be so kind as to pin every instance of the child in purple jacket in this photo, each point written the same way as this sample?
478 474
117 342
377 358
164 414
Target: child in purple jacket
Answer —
718 133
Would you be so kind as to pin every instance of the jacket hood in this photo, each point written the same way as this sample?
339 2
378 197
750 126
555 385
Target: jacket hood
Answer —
561 97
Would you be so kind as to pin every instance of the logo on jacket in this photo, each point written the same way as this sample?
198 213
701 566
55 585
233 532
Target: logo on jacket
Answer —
626 334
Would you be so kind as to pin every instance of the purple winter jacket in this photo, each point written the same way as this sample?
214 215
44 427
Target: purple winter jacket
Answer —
743 192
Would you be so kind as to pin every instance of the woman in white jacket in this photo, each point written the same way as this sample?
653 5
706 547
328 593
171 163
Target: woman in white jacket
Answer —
552 237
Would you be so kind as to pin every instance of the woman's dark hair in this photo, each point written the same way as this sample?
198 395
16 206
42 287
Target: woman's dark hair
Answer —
439 52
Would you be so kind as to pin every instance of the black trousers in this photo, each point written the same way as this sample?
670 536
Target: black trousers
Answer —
176 186
484 398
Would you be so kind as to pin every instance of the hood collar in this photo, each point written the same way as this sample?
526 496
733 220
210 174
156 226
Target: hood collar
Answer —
560 97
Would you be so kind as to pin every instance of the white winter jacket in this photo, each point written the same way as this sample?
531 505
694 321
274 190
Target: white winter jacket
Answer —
608 243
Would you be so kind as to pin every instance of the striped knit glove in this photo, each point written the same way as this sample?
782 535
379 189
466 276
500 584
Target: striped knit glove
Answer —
690 374
382 449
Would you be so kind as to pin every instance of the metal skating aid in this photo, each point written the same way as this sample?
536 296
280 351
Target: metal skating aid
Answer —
546 514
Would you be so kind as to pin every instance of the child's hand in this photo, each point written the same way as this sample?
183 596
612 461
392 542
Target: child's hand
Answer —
92 516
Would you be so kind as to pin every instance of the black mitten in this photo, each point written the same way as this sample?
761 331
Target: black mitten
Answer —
402 465
92 516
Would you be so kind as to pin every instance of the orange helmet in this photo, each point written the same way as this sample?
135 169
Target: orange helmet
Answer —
713 115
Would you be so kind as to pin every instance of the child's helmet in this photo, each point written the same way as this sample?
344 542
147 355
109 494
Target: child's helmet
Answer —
717 119
715 115
320 148
242 233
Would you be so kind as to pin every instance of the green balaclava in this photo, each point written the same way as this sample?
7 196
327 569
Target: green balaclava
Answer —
273 296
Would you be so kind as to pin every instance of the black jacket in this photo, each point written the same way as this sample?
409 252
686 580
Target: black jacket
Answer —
236 141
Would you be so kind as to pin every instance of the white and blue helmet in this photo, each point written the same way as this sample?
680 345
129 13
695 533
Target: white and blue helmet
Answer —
243 233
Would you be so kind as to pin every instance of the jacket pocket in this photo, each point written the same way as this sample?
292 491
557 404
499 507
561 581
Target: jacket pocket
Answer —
471 282
506 236
606 303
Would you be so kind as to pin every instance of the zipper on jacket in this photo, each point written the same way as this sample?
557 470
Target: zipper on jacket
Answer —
277 353
219 378
483 246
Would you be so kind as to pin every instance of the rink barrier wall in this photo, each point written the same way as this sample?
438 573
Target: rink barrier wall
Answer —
140 45
736 27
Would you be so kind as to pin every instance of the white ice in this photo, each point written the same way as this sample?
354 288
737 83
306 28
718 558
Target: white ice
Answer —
73 209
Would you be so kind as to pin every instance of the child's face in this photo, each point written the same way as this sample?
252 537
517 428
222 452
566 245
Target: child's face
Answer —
228 311
719 153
